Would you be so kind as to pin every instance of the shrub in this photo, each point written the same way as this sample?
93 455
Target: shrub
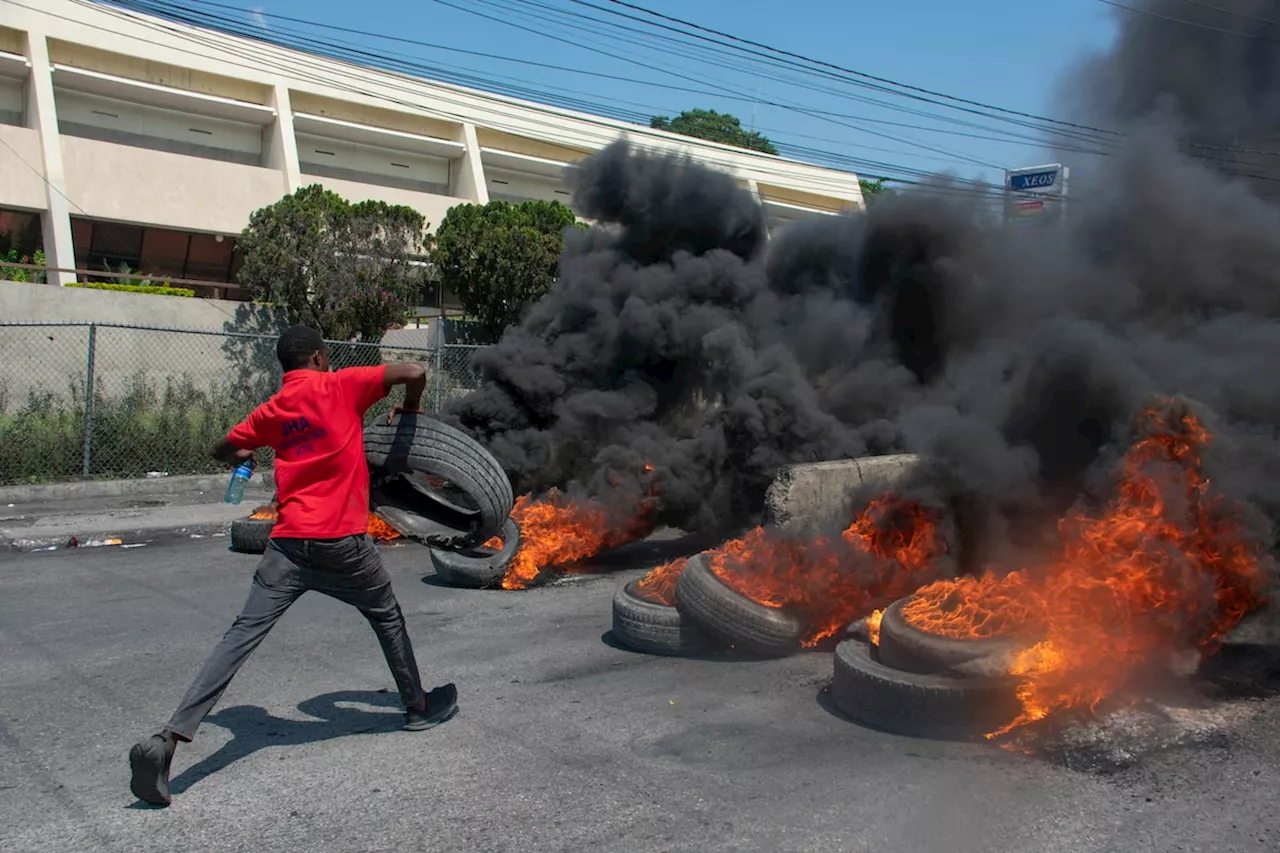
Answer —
8 273
144 428
154 290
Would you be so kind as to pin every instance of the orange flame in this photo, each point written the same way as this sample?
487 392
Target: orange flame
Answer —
1163 567
820 578
659 586
873 626
555 531
380 530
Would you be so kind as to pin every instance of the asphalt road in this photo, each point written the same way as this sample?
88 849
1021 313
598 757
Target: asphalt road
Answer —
563 743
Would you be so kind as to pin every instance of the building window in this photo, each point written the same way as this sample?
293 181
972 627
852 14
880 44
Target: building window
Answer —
155 253
164 252
20 232
114 246
209 258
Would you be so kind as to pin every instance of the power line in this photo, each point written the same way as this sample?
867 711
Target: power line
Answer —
288 67
178 13
801 150
776 63
472 11
1232 12
844 160
860 74
1009 138
1175 20
1098 141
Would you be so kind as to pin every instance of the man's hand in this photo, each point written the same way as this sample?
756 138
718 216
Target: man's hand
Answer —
407 408
225 451
413 376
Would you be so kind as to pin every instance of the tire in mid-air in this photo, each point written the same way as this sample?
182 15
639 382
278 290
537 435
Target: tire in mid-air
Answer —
646 625
426 468
478 567
905 647
938 706
733 619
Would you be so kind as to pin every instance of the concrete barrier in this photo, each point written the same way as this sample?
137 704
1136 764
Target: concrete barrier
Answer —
817 494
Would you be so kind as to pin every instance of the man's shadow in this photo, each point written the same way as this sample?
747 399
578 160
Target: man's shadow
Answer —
252 728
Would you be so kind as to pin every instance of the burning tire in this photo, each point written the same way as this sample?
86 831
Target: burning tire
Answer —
905 647
733 618
650 626
478 568
430 470
917 704
250 535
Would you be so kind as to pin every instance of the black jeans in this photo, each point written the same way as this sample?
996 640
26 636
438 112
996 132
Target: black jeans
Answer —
350 570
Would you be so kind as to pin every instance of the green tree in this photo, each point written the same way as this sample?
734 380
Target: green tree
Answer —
872 190
714 127
500 257
349 270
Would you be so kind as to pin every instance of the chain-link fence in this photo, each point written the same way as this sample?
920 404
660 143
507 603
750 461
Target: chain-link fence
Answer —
107 401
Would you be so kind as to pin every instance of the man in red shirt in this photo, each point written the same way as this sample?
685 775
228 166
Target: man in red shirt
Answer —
315 424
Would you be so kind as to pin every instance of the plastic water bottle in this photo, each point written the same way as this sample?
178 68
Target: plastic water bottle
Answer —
239 479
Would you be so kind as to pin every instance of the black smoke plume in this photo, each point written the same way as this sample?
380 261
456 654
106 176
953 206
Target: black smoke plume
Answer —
1013 358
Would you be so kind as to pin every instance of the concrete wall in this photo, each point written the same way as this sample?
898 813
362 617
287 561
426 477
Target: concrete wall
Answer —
21 184
35 303
813 496
181 191
50 359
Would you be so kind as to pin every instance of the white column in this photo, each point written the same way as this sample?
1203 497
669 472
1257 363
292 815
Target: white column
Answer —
282 148
59 248
468 173
754 188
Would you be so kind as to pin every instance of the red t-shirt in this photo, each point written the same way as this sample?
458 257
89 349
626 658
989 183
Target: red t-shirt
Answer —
315 424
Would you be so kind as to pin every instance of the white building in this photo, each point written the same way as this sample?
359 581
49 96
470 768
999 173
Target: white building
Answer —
128 139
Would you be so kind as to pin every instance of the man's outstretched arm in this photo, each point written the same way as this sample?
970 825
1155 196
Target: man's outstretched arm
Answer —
413 376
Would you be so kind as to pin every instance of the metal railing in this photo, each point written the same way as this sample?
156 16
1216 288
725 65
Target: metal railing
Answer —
82 401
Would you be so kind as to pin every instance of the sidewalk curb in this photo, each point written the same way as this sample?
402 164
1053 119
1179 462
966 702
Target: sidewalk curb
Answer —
142 536
40 529
85 489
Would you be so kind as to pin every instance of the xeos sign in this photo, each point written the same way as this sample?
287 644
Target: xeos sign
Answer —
1043 180
1036 194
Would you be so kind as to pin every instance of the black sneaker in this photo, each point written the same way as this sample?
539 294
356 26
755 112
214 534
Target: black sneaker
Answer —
149 760
442 704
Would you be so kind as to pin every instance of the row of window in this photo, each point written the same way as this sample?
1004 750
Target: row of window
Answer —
157 252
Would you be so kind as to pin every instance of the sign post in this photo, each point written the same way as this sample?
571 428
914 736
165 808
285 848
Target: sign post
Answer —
1036 195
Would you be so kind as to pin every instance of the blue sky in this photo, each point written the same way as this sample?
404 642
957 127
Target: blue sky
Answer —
998 52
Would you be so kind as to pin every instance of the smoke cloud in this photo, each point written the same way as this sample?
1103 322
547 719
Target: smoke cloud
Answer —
680 336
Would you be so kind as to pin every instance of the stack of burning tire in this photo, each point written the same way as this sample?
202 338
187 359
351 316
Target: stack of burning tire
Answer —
432 483
889 673
696 613
902 678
